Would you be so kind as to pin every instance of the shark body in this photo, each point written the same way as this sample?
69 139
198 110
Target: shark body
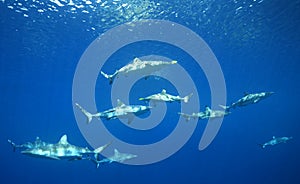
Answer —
121 111
248 99
61 150
138 66
163 96
208 113
275 141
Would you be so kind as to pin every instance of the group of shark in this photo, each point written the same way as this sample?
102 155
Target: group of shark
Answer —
64 150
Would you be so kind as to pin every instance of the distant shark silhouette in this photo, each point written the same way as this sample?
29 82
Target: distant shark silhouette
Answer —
138 66
121 111
248 99
275 141
208 113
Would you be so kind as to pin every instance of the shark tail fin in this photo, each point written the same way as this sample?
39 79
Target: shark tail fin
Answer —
186 116
187 98
262 146
97 151
226 108
13 144
88 115
109 77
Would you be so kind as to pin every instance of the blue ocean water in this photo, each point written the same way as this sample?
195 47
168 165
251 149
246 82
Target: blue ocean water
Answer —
256 42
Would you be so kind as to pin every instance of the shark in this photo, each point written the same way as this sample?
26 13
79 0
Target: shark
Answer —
117 157
57 151
248 99
120 111
137 66
163 96
208 113
275 141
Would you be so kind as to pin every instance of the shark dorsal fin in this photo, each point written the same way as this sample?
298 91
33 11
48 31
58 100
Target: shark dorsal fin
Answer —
163 92
116 152
136 60
120 103
273 137
63 139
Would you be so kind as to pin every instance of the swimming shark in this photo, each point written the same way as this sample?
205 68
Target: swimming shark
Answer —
208 113
275 141
117 157
248 99
120 111
139 67
61 150
164 97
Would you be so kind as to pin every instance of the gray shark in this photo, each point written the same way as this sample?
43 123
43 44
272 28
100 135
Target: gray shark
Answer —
208 113
121 111
275 141
164 97
248 99
117 157
61 150
139 67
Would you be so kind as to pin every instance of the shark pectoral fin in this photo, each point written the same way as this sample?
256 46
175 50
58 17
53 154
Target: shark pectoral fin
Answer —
53 157
187 98
130 118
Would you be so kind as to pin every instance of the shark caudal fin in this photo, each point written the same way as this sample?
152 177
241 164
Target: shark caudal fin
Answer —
88 115
262 145
110 77
186 116
226 108
13 144
187 98
97 151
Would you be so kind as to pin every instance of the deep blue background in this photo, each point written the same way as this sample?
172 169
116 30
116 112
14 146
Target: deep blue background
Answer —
258 48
